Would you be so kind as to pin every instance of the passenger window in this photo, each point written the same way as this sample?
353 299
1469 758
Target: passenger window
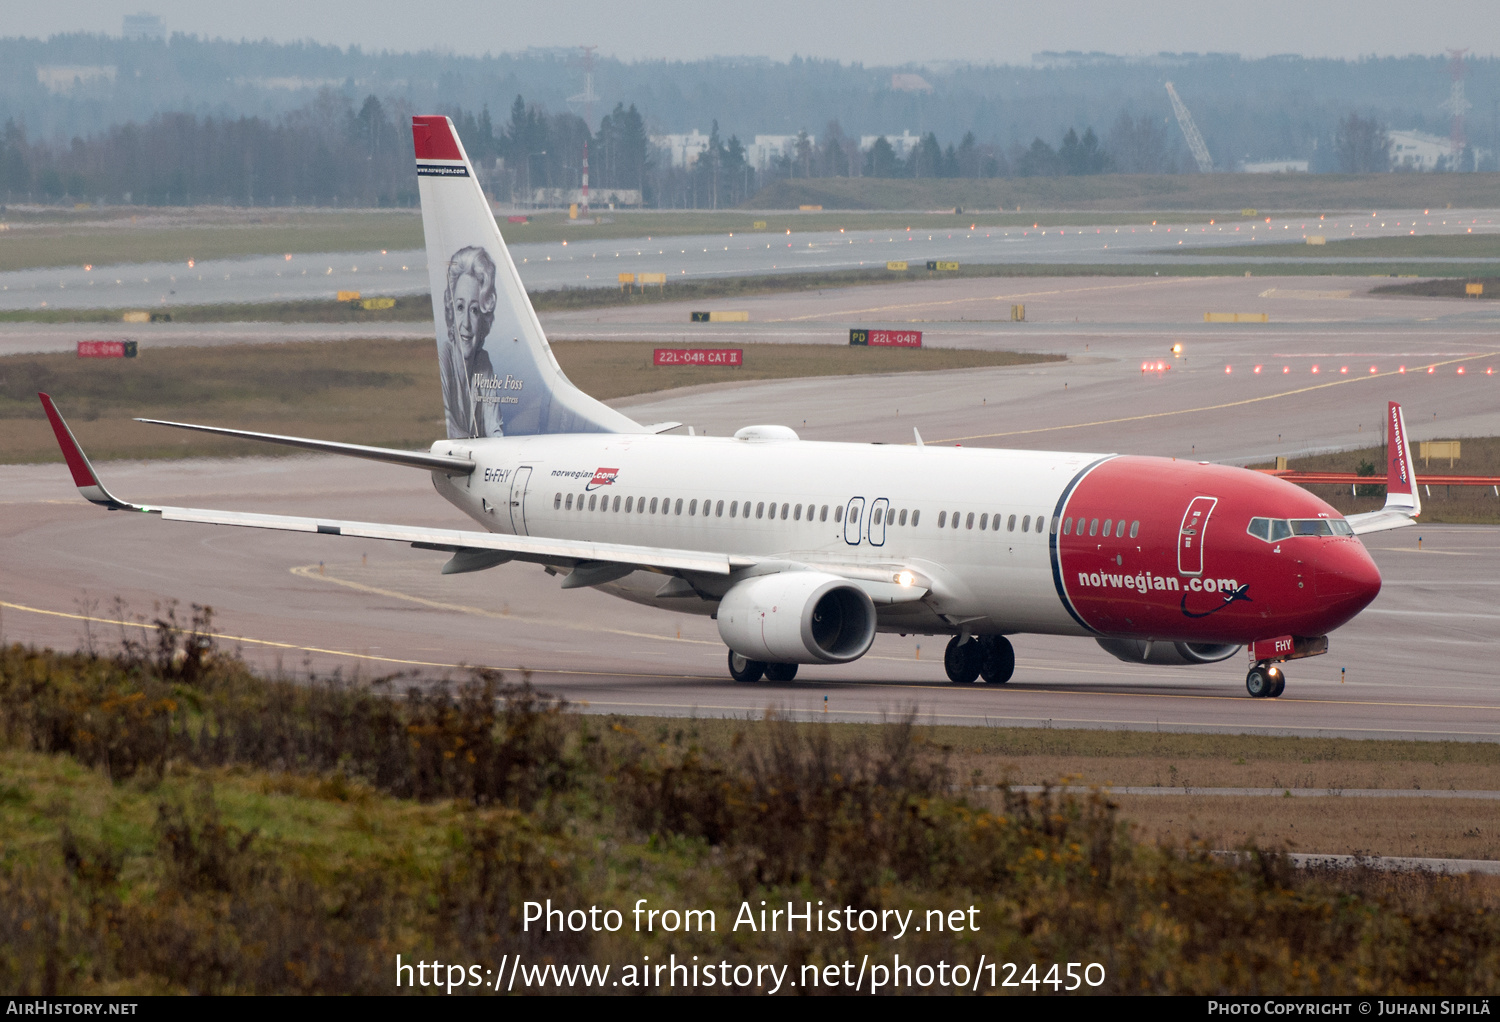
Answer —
628 502
693 508
1010 525
734 506
1135 529
719 509
1026 524
942 518
1039 523
617 503
1093 527
970 521
557 501
903 517
797 513
1054 525
1067 526
785 510
984 521
593 499
914 516
876 518
653 505
854 516
568 503
838 514
677 508
760 510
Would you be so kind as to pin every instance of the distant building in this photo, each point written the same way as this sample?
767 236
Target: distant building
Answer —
599 198
1417 150
1275 167
910 83
62 79
766 149
902 143
143 26
682 150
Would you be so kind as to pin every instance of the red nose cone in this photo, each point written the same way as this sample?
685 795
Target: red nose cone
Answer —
1345 580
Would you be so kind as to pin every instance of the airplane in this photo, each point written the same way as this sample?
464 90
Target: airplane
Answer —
803 551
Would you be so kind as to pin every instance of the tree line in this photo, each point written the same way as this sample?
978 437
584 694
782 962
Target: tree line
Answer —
330 153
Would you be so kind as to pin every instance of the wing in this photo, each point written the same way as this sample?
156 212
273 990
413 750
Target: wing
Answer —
1402 503
568 553
416 459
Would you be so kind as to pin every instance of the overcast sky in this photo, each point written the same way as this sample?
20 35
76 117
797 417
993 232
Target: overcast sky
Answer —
868 31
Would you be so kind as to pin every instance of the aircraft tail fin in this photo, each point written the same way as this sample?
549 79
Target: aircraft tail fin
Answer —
499 374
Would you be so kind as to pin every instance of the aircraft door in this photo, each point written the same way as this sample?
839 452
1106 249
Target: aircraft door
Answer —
853 527
518 484
880 510
1190 537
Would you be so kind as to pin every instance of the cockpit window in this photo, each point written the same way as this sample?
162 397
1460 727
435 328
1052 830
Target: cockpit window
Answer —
1274 530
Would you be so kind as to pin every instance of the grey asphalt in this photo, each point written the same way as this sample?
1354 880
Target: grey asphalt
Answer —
1419 663
584 262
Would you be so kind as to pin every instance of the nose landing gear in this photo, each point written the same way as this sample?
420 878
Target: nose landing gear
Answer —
1265 681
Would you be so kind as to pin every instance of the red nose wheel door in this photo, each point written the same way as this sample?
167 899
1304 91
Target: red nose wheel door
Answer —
1190 536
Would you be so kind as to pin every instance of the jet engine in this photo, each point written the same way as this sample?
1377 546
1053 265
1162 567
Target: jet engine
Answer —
1170 654
797 617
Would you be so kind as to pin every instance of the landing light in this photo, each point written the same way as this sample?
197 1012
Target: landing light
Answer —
1177 349
905 578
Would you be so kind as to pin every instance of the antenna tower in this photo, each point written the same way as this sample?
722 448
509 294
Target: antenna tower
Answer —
1456 105
1190 131
587 97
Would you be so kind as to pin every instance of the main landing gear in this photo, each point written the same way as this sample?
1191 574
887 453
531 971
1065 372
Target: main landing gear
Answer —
748 671
1265 681
988 656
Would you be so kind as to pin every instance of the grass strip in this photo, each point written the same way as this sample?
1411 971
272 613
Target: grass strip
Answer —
380 392
176 824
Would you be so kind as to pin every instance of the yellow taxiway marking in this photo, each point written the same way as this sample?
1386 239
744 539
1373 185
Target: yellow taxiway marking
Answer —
311 571
1203 408
362 656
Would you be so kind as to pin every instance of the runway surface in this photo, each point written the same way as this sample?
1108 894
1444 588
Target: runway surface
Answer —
1420 662
585 262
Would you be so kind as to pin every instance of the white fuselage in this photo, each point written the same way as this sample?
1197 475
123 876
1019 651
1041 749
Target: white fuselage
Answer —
885 508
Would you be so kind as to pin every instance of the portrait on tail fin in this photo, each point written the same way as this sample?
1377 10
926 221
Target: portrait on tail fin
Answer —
469 386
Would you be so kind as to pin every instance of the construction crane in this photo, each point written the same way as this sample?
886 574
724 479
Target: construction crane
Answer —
1190 131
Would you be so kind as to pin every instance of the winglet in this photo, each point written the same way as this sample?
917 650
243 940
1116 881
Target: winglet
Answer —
1401 480
84 476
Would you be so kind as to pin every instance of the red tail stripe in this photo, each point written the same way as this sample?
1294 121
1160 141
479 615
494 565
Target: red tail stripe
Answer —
77 463
433 140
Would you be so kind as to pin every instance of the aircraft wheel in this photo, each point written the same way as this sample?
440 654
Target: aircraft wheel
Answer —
743 669
781 672
1259 682
999 660
1278 682
963 662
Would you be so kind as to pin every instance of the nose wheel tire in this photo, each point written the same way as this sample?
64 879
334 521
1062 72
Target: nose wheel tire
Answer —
781 672
745 670
999 661
963 662
1265 681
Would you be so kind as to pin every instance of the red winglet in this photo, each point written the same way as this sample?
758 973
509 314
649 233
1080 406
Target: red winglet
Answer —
433 139
1398 470
83 472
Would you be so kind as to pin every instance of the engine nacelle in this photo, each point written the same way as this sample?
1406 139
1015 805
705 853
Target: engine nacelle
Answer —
798 617
1168 654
